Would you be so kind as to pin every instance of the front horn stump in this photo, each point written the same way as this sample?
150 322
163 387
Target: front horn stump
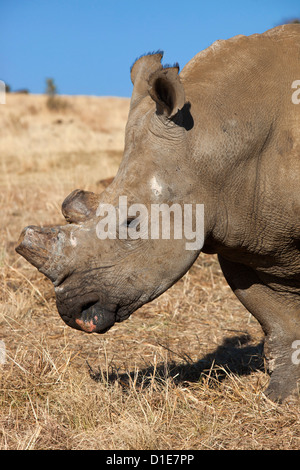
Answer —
38 245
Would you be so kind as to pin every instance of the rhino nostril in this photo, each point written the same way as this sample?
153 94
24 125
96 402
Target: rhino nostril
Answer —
88 305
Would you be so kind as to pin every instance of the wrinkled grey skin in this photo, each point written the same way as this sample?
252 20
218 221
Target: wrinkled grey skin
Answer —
224 133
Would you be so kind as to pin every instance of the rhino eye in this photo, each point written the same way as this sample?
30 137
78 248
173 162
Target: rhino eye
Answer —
129 220
126 223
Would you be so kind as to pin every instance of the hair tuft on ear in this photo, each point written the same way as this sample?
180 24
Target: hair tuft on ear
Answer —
159 52
174 66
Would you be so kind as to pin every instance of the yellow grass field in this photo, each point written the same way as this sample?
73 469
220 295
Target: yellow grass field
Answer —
184 372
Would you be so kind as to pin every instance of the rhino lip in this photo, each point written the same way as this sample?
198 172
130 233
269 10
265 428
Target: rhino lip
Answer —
95 318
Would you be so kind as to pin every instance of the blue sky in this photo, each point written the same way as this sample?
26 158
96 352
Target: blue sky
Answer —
88 46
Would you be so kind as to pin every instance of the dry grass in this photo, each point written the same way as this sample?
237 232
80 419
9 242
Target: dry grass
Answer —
184 372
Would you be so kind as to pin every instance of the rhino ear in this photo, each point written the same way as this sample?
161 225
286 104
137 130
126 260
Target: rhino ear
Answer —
166 89
145 65
140 72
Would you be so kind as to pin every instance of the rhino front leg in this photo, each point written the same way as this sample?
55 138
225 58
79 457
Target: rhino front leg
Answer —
278 312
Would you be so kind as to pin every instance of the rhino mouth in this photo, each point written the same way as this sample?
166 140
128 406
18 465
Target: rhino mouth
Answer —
92 317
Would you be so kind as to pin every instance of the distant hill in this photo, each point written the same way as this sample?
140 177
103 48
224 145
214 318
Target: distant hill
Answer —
82 123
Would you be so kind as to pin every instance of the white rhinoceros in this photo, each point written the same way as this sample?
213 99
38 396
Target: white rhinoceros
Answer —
224 133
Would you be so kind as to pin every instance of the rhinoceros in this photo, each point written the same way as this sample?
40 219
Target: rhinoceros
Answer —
223 133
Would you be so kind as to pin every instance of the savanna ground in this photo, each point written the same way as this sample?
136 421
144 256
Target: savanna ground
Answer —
184 372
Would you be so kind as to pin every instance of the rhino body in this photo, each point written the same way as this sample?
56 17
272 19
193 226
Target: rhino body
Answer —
225 133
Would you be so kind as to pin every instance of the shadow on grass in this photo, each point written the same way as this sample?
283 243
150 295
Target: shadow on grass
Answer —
234 356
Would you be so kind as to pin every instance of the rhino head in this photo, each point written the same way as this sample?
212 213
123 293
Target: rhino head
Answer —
101 280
